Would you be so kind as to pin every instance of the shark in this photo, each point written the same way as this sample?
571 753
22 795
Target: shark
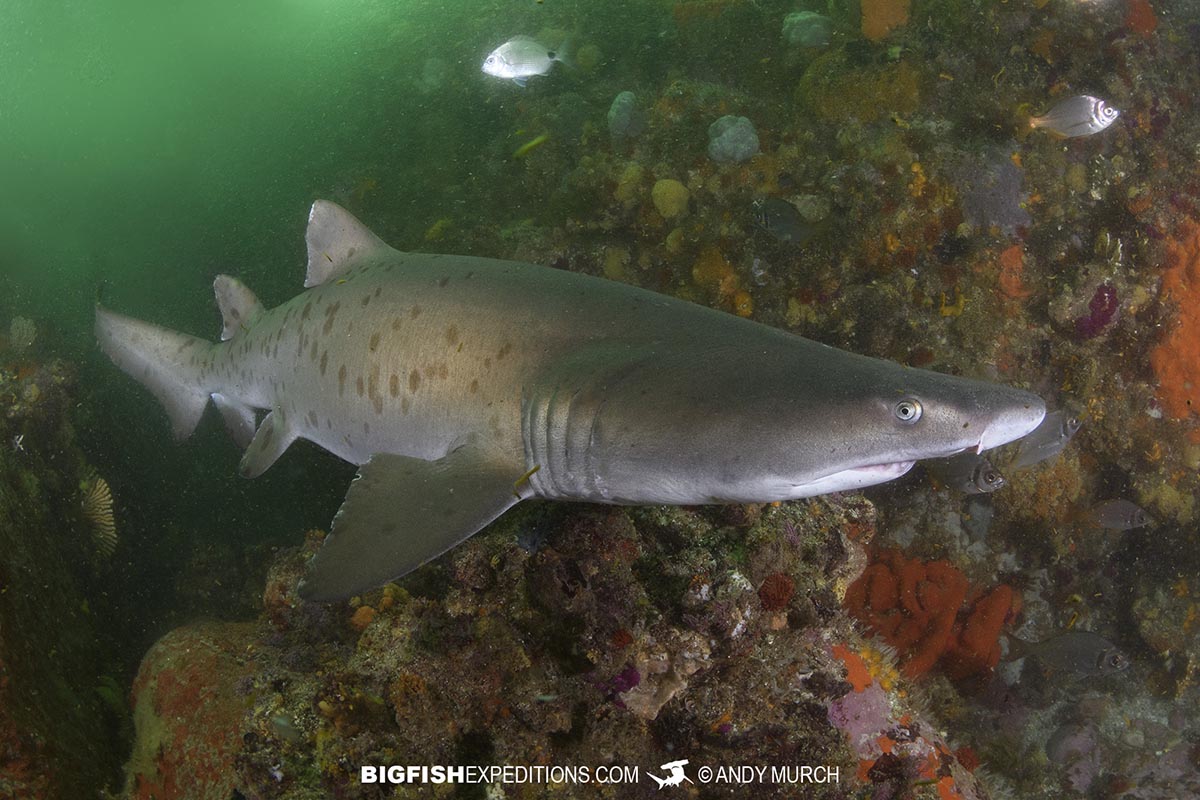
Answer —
461 386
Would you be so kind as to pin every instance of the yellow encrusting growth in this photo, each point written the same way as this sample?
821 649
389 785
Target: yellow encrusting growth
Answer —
880 660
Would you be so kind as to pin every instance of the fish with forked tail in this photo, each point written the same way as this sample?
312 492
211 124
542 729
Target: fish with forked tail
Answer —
1082 115
463 385
968 472
1081 653
1119 515
1047 440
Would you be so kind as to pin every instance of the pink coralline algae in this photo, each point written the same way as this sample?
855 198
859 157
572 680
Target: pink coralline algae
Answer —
862 715
1102 311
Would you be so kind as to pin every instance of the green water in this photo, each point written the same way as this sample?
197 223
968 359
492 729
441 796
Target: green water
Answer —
149 145
157 142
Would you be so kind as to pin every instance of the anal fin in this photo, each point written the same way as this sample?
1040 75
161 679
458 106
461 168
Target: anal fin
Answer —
238 417
401 512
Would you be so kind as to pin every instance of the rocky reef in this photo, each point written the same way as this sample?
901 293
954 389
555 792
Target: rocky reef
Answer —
61 711
948 232
937 227
564 636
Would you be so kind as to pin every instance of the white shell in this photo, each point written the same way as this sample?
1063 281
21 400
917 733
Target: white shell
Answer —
1082 115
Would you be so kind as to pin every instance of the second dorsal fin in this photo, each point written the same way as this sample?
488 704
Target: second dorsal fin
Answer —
336 241
239 307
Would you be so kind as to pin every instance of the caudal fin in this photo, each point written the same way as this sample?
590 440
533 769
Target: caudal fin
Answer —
162 360
565 53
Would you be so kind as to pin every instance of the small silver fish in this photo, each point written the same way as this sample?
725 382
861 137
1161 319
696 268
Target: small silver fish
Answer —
1120 515
520 58
1082 115
1080 652
1048 439
967 472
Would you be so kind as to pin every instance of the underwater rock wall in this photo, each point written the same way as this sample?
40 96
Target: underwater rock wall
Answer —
563 636
187 712
57 735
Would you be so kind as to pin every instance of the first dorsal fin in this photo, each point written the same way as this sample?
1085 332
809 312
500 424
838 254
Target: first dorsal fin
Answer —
336 241
239 307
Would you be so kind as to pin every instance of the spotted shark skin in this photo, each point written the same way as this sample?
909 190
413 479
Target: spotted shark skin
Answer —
462 385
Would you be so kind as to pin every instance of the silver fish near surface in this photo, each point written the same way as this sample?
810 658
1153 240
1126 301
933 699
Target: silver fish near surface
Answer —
1120 515
1082 115
520 58
462 385
1048 440
1080 653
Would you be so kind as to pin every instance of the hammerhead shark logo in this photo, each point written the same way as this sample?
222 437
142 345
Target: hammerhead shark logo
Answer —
676 776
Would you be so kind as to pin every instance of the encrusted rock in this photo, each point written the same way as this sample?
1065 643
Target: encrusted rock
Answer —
664 667
732 140
670 198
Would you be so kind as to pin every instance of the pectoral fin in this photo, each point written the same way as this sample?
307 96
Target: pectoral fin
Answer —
401 512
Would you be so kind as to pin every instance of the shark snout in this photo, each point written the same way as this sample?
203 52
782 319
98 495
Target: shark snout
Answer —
1019 415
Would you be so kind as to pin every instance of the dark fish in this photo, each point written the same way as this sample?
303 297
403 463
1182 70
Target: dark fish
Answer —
1070 742
1048 439
780 218
1120 515
1078 652
967 472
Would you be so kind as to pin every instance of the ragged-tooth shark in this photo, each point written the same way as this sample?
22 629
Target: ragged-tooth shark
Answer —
461 386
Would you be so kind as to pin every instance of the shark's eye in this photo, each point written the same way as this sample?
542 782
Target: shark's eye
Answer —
907 411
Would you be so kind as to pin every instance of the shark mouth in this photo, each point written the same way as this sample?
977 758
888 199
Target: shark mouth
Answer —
853 478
